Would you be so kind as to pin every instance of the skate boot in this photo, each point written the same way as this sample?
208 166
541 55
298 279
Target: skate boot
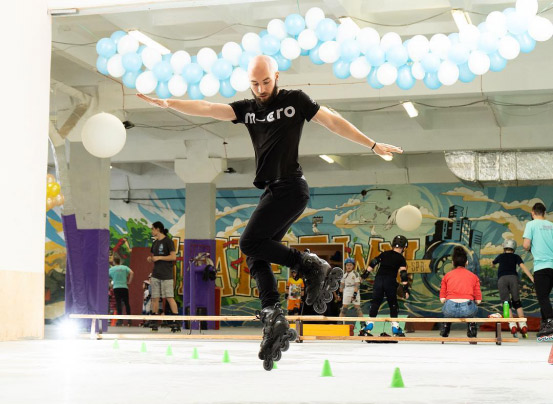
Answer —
445 328
276 335
154 326
366 331
320 280
175 326
513 328
523 329
472 331
546 328
397 331
383 334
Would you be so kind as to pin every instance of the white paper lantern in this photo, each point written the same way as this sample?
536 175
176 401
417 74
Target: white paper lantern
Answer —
329 52
408 218
250 43
540 29
367 37
179 60
290 48
146 82
127 44
497 23
469 35
527 8
508 48
439 45
387 74
177 85
206 58
417 47
103 135
390 40
417 71
232 52
360 67
448 73
479 62
277 28
209 85
150 57
313 17
115 66
307 39
239 79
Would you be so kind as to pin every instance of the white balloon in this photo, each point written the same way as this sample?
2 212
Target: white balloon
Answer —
146 82
508 48
103 135
179 60
277 28
389 40
347 30
479 62
528 8
290 49
497 23
387 74
313 17
366 38
329 51
209 85
448 73
417 71
250 43
206 58
540 29
417 47
469 35
239 79
232 52
307 39
115 66
360 67
177 85
127 44
408 218
439 45
150 57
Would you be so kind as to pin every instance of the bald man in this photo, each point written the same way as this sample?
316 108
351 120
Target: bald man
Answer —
275 118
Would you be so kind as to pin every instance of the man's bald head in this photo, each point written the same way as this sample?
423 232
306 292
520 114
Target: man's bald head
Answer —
263 75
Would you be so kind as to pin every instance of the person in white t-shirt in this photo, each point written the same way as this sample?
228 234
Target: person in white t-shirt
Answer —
350 289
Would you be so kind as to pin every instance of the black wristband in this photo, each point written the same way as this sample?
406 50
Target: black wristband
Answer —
374 145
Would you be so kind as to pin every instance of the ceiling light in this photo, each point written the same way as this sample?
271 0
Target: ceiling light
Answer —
146 40
461 18
410 108
326 158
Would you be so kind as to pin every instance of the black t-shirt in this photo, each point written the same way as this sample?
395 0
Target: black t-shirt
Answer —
163 269
390 262
275 130
507 264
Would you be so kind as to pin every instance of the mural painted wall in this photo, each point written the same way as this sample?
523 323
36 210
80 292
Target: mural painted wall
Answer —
360 218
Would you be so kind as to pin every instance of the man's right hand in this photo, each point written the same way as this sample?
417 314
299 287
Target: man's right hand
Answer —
156 102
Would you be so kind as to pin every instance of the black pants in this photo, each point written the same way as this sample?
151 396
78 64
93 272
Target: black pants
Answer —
543 282
122 296
384 286
279 206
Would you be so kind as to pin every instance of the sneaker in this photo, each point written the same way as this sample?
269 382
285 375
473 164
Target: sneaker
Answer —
546 329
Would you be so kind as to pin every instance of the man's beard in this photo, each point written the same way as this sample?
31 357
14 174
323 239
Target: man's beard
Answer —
268 100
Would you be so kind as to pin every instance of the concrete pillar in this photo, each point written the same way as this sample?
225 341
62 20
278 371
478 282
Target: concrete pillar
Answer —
24 159
200 211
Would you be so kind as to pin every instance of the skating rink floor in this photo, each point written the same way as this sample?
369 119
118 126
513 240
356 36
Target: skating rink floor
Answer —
91 371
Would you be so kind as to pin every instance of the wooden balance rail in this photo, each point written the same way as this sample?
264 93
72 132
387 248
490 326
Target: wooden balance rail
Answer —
299 320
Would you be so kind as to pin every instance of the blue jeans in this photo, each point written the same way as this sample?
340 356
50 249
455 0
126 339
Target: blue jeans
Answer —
453 309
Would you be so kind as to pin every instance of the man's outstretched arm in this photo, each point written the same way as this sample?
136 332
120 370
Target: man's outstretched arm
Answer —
222 112
335 123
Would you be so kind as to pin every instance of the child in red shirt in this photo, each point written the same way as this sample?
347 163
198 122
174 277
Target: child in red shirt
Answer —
460 293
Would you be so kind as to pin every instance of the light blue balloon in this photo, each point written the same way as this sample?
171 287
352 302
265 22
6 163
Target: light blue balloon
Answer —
226 90
140 49
294 24
431 81
269 45
349 50
430 63
117 35
106 47
326 30
465 75
263 33
516 25
194 92
192 73
488 42
454 38
163 71
497 63
162 90
482 27
194 59
245 59
527 43
222 69
102 65
397 55
375 55
129 79
405 79
341 69
304 52
509 10
132 62
283 63
166 57
314 55
373 80
458 53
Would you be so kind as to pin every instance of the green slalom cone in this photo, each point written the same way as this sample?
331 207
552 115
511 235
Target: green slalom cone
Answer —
169 351
226 357
274 365
397 380
143 347
326 372
195 354
115 344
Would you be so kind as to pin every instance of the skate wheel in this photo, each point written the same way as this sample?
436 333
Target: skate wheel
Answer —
277 355
268 364
285 345
326 296
319 307
292 335
336 274
333 285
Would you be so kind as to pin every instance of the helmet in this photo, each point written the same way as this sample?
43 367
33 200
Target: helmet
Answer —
512 244
349 261
399 241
